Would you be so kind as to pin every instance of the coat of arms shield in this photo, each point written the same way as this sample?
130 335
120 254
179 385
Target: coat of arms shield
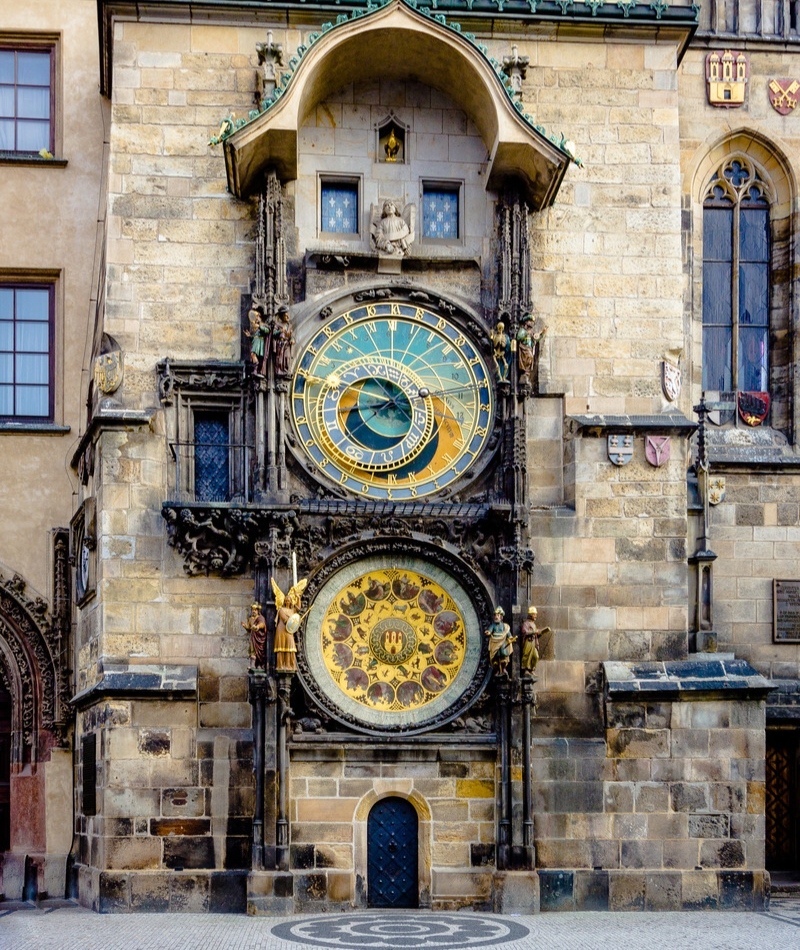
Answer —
657 449
753 408
670 380
620 449
783 95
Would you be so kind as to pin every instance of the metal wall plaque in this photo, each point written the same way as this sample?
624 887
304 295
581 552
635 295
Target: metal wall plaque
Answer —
786 611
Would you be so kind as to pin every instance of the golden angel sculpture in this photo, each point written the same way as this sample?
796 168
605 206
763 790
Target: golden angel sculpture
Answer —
287 623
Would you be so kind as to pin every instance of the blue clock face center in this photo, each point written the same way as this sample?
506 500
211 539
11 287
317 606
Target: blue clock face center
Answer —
384 409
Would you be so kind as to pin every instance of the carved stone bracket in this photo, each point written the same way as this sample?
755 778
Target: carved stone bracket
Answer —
224 540
212 540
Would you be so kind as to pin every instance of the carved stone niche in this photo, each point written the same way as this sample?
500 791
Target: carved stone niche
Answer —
83 551
392 140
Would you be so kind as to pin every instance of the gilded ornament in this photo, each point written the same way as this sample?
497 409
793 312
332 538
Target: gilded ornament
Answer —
726 78
108 371
393 640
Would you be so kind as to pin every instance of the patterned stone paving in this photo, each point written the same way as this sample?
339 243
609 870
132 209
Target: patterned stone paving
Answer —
402 931
60 925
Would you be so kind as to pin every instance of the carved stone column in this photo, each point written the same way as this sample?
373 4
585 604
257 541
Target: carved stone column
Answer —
258 692
528 702
282 821
504 689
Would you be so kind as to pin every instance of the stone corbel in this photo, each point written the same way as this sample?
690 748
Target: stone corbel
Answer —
211 540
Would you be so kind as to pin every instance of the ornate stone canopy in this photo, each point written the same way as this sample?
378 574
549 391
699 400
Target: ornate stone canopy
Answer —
398 42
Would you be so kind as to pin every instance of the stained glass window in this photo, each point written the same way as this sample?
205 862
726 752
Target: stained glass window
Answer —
736 265
339 207
26 121
26 318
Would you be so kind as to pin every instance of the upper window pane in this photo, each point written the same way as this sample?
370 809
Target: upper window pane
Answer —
33 69
755 234
339 207
717 234
211 443
26 88
26 352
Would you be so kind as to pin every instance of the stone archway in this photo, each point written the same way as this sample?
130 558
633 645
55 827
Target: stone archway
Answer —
33 743
398 790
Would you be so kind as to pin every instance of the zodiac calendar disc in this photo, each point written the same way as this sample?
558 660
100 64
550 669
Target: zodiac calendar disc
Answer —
392 641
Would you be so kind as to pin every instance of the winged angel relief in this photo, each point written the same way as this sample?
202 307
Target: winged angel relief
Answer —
287 622
392 232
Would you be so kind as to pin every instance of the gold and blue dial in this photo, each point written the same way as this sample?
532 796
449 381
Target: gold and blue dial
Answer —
392 401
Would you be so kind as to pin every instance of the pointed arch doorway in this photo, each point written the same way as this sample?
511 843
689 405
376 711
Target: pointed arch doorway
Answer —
392 854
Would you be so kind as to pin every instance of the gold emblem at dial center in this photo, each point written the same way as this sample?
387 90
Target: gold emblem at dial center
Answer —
393 639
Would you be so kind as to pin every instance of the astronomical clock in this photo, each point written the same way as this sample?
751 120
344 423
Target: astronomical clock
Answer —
393 401
393 410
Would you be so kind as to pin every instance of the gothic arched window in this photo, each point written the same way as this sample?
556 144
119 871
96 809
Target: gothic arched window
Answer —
736 279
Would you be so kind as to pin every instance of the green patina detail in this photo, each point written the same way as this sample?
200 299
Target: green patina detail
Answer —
231 124
659 7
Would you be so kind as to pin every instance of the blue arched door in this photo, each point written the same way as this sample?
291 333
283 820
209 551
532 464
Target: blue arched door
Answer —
392 853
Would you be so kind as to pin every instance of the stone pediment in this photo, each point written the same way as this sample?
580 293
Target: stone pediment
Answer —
395 42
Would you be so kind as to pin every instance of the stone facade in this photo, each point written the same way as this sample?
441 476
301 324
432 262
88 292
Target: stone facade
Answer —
203 784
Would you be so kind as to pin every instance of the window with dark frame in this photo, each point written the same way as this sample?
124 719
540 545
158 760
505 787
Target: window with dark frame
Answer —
441 211
339 206
26 352
213 460
212 454
736 280
26 99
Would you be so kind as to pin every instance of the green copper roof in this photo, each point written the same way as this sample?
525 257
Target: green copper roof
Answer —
232 124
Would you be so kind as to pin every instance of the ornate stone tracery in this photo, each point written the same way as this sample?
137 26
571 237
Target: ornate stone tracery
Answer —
30 669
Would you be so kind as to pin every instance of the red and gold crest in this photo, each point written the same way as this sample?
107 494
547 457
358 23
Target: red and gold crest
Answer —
783 95
753 408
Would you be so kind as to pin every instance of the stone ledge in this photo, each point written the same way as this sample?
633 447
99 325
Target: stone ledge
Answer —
667 423
784 701
694 678
157 680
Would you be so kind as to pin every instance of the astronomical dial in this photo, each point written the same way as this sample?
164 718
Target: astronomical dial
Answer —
393 642
392 401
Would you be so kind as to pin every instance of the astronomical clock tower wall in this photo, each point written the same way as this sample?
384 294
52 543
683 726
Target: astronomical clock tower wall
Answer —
383 377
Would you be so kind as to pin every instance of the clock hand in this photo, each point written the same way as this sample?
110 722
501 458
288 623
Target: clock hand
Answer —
423 392
331 379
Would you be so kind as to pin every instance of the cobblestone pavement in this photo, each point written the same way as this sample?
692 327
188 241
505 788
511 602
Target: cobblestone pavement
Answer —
62 926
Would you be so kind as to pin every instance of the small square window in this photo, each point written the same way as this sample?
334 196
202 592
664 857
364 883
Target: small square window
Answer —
441 212
339 206
26 100
26 352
